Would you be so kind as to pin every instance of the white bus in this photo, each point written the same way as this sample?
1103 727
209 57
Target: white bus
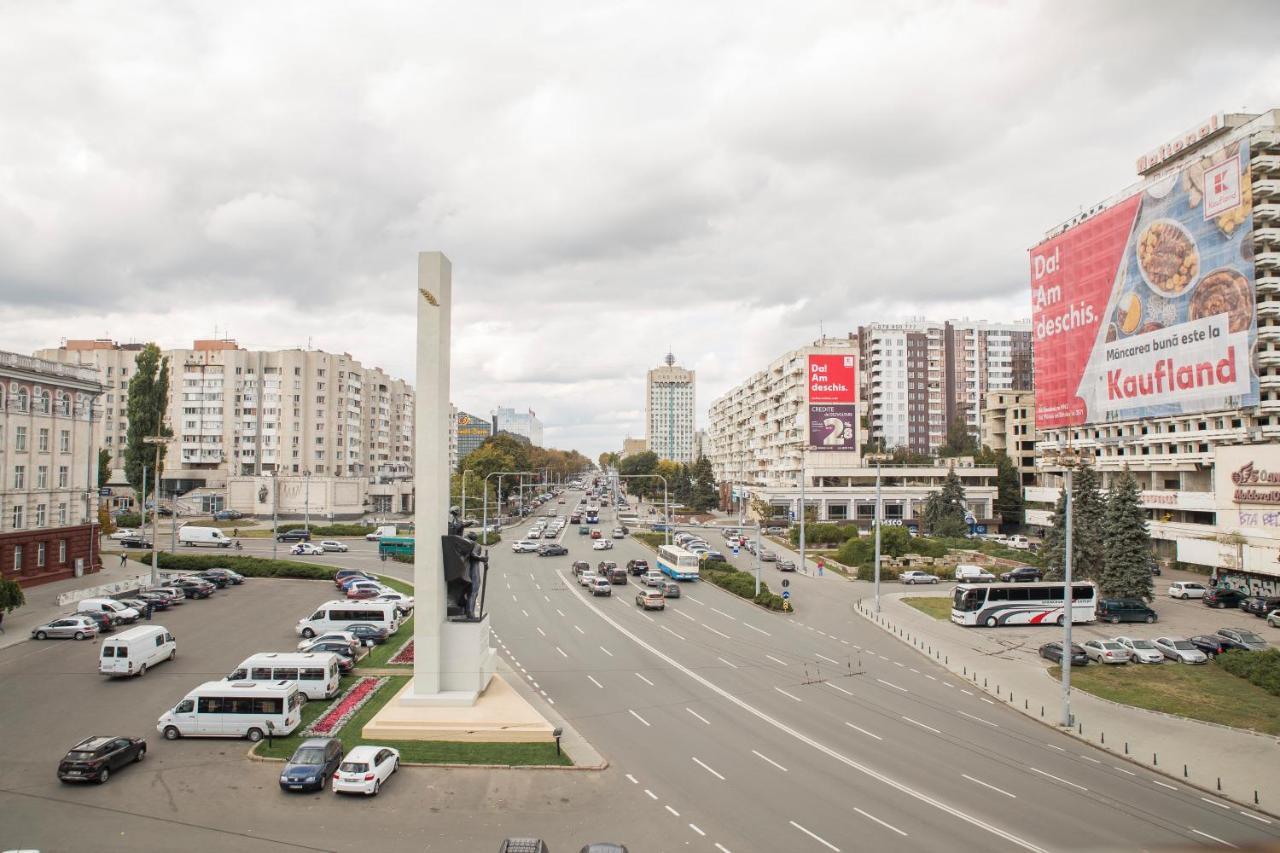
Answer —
248 709
993 604
315 673
338 614
677 563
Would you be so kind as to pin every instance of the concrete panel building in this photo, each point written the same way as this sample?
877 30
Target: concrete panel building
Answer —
670 419
1009 427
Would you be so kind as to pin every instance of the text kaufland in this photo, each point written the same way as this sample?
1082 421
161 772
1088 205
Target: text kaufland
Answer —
1168 376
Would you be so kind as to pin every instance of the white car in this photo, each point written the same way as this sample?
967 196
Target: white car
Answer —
364 769
916 576
602 545
1186 589
402 601
1141 651
601 586
654 579
332 637
524 546
1180 650
306 549
1106 651
124 533
587 579
330 545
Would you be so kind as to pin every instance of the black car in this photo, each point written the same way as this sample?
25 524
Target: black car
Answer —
1155 568
552 551
346 657
1053 652
93 759
135 542
311 765
637 567
228 515
1260 605
1022 573
300 534
193 587
580 566
220 581
101 619
234 578
1115 610
157 600
1209 644
367 633
1221 598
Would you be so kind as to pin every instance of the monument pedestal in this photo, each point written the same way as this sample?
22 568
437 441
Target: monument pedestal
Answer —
500 714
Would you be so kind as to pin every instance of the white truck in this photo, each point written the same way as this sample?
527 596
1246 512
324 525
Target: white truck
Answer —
380 531
191 535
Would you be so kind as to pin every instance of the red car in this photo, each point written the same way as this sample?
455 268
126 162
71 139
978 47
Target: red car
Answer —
342 576
363 592
595 534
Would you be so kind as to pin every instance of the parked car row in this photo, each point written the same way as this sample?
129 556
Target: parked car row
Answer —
1190 650
320 761
1262 606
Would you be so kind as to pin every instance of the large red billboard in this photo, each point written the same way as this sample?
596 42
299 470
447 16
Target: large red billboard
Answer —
1147 309
833 379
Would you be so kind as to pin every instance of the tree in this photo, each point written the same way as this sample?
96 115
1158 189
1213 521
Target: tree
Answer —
490 459
1053 545
705 495
1088 510
1009 504
104 467
960 442
608 459
944 509
641 463
1127 543
148 401
11 597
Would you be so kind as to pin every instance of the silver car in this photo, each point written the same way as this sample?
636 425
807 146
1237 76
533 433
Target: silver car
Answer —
1180 650
73 627
1140 651
331 545
1106 651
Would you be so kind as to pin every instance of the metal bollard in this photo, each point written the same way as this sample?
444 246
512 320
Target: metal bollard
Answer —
1219 783
1184 772
1155 759
1104 737
1126 747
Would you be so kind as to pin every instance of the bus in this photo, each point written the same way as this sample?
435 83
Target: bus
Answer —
389 546
248 709
593 516
993 604
338 614
677 563
315 673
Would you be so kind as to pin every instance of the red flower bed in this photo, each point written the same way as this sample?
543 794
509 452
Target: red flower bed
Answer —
405 655
345 706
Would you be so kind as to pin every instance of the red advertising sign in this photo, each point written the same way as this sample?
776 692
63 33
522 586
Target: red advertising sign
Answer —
833 379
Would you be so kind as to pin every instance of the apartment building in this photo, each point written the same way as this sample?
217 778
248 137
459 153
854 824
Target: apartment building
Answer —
632 446
670 419
1175 377
253 415
1009 427
523 424
48 470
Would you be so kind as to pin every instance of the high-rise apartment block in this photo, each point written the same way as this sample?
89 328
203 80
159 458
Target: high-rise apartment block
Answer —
669 413
48 469
524 424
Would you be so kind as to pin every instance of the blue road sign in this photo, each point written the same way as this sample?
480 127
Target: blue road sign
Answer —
786 593
735 550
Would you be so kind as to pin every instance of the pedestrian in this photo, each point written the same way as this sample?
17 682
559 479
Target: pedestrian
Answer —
123 557
149 608
235 533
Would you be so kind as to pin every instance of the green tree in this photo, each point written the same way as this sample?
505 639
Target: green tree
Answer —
645 488
705 495
609 459
1127 543
1053 545
148 401
1088 511
1009 505
960 442
944 509
490 459
11 597
104 467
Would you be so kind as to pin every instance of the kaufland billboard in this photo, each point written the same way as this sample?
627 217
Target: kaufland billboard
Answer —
832 392
1147 309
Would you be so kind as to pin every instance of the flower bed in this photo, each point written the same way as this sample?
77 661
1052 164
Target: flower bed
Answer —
405 655
345 707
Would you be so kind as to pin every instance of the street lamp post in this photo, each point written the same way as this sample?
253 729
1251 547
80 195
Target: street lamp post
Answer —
879 519
159 441
499 475
1068 458
275 531
803 564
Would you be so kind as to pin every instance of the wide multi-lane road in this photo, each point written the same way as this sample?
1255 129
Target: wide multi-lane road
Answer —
746 730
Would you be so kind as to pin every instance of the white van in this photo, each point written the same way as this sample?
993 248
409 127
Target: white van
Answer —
117 611
189 534
1020 542
316 674
133 651
338 614
380 531
968 573
248 709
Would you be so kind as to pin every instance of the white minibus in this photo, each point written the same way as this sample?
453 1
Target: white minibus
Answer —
131 652
338 614
316 674
248 709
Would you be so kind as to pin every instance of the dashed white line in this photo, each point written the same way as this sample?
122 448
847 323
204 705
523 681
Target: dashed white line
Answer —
966 692
1060 779
1165 785
699 716
978 719
525 612
879 821
930 677
725 615
630 778
1216 803
761 755
894 686
1122 770
722 848
651 794
846 642
645 680
1051 746
817 838
695 601
1087 758
754 628
673 811
714 631
685 615
830 660
672 633
535 684
864 731
542 632
606 651
775 660
1255 817
699 831
513 597
637 716
601 686
731 665
579 630
988 701
546 598
841 689
642 613
899 663
922 725
788 695
562 652
561 612
988 785
705 767
1215 838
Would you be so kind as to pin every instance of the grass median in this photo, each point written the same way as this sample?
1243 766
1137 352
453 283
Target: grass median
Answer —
1207 692
938 608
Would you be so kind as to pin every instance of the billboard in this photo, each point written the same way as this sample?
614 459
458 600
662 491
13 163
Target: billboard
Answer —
1147 309
833 427
833 379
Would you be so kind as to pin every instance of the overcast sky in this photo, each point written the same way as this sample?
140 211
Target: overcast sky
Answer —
609 179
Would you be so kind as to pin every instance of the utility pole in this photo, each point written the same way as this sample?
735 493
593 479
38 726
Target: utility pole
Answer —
878 520
803 564
757 560
142 526
275 490
1067 615
306 499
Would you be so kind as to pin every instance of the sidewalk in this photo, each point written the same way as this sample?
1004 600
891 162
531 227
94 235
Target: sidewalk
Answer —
1210 752
42 601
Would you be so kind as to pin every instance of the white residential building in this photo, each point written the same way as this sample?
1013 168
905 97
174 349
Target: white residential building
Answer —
669 411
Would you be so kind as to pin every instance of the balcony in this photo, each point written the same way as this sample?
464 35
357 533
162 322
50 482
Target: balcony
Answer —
1266 189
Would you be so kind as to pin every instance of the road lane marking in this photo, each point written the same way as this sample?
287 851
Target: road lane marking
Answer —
930 677
547 599
879 821
988 785
1215 838
699 831
601 686
761 755
817 838
630 778
1255 817
672 633
725 615
651 794
1122 770
705 767
637 716
606 651
732 665
722 848
1216 803
966 692
829 660
841 689
645 680
525 612
579 630
1063 781
562 652
695 601
988 701
561 612
1051 746
542 632
894 686
685 615
673 811
550 701
1165 785
898 663
714 631
846 642
775 660
699 716
922 725
1087 758
913 669
788 695
978 719
645 615
534 683
513 597
754 628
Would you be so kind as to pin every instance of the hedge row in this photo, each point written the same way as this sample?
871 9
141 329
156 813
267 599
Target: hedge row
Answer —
891 573
1259 668
824 534
743 585
252 567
